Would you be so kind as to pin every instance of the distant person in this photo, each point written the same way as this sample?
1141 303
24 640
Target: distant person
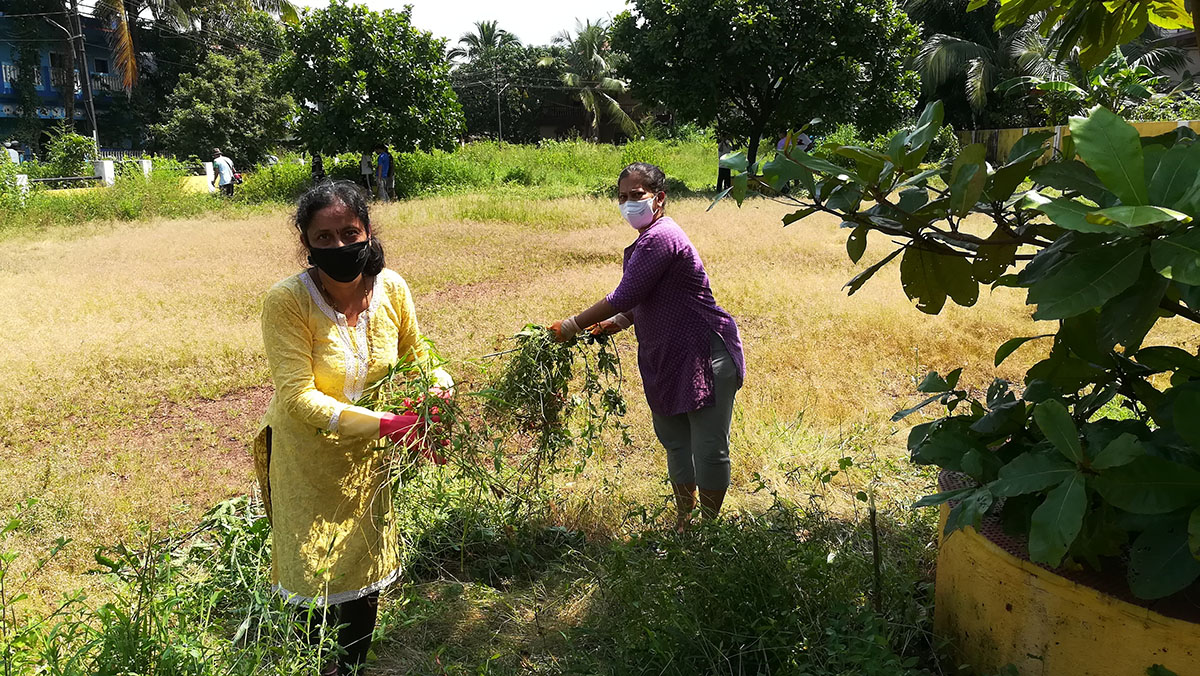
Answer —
318 168
689 348
724 174
804 142
331 333
11 151
384 175
272 160
223 167
365 169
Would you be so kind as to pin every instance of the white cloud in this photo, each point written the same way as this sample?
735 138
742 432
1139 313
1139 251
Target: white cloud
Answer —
535 22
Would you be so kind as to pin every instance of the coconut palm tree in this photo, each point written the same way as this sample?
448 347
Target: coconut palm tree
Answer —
487 36
589 64
178 15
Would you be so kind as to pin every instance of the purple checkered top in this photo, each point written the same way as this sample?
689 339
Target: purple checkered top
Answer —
665 286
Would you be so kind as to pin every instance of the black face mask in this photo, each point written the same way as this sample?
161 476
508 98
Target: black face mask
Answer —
344 263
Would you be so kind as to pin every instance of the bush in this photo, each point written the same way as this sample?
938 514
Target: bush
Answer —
421 173
70 154
780 592
1180 107
10 196
281 182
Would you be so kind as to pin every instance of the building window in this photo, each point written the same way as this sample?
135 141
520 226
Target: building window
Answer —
58 60
102 66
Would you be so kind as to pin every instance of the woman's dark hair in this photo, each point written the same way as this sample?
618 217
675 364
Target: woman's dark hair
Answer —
329 193
652 176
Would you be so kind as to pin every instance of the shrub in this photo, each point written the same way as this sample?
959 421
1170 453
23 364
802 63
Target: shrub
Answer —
70 154
281 182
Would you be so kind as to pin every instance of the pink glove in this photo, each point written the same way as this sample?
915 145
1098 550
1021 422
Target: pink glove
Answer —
400 429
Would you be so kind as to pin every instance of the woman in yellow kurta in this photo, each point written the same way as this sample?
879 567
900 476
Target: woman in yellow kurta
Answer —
331 332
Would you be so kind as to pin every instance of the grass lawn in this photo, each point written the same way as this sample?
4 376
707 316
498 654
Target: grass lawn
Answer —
134 379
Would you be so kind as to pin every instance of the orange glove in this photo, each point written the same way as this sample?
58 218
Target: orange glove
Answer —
604 328
564 330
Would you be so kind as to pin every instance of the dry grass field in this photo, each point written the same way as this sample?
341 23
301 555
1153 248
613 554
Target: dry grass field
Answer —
133 375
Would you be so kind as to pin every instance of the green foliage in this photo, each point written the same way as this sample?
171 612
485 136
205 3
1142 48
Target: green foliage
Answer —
1175 107
363 77
1115 248
516 72
1114 84
229 103
69 154
282 182
775 593
10 196
588 64
1095 28
770 81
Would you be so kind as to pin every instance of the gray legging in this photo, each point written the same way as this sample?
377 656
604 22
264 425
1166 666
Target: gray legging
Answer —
697 442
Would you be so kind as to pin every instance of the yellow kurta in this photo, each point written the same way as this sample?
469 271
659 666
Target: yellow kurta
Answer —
334 536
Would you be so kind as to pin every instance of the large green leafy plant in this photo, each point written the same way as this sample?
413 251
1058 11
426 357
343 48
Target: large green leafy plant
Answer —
1105 244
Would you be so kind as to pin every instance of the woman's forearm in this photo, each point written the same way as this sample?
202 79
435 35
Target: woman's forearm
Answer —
597 313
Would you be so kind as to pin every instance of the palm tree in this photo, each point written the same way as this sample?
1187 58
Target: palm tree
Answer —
175 14
589 65
487 37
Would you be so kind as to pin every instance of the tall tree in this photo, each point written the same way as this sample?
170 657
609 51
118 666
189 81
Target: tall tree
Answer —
488 37
229 103
755 67
363 77
589 65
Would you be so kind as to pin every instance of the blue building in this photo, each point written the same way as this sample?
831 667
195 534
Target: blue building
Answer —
52 76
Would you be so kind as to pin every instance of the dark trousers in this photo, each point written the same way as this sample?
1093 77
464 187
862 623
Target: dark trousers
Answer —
724 178
356 620
227 190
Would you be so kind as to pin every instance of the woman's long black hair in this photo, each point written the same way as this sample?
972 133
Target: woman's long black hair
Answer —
329 193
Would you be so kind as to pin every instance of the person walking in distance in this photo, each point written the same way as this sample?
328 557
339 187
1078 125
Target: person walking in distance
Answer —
365 169
384 176
223 167
724 174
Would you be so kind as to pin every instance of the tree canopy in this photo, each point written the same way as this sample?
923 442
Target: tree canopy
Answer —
363 77
526 89
230 104
756 67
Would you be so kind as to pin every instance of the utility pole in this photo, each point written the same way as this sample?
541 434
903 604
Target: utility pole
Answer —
496 82
85 74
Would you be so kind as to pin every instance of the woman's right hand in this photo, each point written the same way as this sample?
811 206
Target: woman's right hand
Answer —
604 328
403 429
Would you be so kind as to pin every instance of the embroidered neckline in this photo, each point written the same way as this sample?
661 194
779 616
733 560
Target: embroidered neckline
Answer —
356 351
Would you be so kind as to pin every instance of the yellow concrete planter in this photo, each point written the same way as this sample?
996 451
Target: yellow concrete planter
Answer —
997 609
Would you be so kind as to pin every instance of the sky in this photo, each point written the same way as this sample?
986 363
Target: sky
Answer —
533 21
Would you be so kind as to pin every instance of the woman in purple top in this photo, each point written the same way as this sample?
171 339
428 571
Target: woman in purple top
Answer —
689 351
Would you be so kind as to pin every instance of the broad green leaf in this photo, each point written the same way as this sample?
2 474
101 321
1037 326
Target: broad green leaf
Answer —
1074 176
1086 280
1174 176
797 215
780 169
1024 155
736 161
720 196
861 278
1150 485
1056 522
927 128
1055 422
738 191
1030 472
1120 451
901 415
934 383
969 511
1113 149
1136 217
1060 86
968 176
995 255
1161 562
921 178
1069 214
825 167
1012 344
1177 256
1194 533
845 198
856 243
939 498
865 155
1126 319
1187 416
930 272
1169 358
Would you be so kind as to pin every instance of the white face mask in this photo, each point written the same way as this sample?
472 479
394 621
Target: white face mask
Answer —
639 213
